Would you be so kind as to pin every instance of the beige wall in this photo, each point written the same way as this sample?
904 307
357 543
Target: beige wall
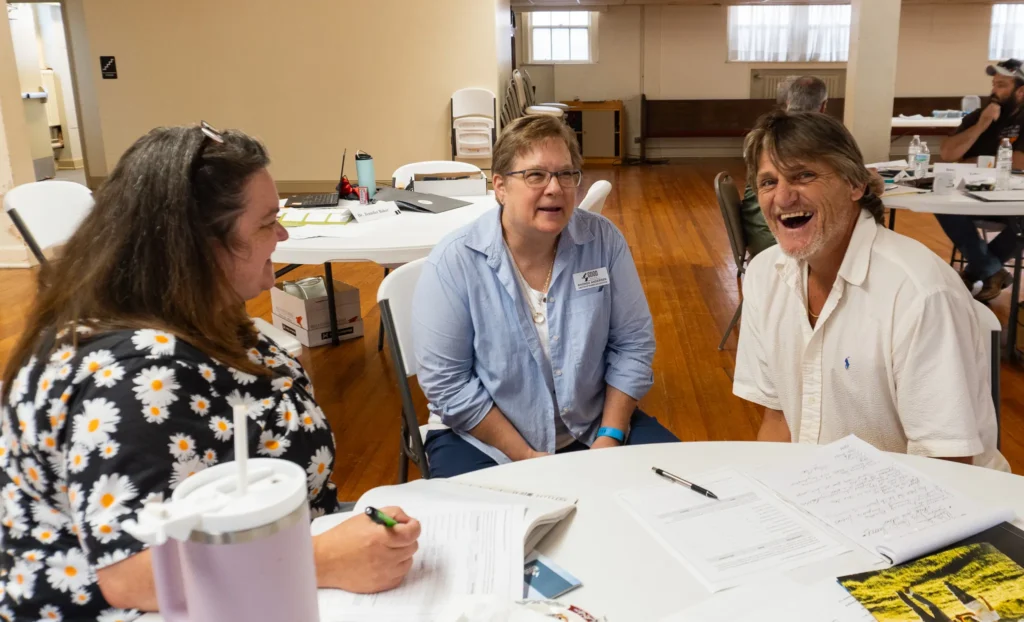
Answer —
950 41
308 78
685 51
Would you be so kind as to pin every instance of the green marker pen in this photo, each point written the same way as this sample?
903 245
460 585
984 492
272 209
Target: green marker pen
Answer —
380 518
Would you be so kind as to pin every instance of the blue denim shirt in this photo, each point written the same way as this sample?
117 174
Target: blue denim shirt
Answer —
476 344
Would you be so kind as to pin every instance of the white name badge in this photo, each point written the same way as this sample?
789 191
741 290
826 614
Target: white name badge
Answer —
590 279
375 211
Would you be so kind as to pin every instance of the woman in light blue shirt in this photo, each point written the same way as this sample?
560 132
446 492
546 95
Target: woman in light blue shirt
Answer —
532 331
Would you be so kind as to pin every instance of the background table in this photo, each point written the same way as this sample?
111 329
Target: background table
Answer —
389 242
627 575
397 240
926 122
959 203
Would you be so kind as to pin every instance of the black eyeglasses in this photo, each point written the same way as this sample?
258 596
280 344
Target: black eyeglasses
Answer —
211 133
538 178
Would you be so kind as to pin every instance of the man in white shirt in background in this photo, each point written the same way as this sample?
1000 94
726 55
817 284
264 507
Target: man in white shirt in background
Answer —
848 327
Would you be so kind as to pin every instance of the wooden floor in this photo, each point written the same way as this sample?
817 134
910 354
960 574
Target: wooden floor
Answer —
671 220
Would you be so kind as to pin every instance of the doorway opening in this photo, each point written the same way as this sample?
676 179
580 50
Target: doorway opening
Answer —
47 91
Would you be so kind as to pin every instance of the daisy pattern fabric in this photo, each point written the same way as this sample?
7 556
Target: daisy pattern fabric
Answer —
89 432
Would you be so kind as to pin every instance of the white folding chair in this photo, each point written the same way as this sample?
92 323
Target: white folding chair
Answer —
474 114
596 195
403 176
47 213
394 297
988 320
531 93
525 99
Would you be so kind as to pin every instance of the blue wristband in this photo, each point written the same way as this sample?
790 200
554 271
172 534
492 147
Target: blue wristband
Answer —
615 433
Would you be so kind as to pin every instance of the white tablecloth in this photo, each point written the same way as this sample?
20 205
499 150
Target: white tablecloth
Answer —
954 203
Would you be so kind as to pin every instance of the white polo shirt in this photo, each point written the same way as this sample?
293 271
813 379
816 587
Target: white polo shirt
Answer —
897 357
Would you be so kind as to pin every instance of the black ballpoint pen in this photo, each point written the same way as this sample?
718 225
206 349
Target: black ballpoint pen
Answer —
694 487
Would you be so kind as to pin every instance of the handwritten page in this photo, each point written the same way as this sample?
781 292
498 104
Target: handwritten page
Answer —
465 550
777 599
745 532
889 508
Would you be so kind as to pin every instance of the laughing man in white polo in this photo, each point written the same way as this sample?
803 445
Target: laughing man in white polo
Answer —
848 327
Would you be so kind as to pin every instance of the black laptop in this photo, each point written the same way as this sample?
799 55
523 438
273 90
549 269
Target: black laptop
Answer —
419 201
324 199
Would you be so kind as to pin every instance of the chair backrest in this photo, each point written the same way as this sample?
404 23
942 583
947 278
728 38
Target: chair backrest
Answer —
596 195
404 174
510 108
397 290
993 328
47 213
473 103
729 202
525 97
531 93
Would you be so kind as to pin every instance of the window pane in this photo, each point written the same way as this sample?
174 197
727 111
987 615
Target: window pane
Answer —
560 18
541 44
579 18
541 18
579 44
559 44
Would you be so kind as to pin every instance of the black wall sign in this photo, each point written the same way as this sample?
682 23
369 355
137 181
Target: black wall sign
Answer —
109 67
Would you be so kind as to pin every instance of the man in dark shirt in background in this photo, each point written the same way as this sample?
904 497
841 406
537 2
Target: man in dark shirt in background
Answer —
980 134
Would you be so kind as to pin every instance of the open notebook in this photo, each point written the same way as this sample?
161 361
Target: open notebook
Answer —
894 511
474 542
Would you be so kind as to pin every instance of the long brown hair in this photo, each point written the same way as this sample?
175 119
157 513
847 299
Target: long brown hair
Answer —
144 257
792 138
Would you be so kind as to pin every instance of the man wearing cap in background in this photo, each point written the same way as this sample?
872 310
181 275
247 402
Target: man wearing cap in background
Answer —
979 135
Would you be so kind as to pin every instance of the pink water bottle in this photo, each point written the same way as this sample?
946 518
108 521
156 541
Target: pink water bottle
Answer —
233 543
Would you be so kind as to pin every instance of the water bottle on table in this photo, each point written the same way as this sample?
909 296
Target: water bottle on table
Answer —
912 150
921 161
1004 164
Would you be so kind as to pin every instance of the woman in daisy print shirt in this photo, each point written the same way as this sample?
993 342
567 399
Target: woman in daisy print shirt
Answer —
124 382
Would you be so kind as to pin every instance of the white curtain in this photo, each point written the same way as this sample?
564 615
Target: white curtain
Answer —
1006 39
804 33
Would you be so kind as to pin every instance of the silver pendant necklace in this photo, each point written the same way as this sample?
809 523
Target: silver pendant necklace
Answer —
538 314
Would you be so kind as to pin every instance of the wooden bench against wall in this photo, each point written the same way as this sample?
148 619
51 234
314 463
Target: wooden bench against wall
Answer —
723 118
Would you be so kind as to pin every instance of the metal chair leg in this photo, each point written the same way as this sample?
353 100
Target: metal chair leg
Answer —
403 462
996 389
380 329
732 324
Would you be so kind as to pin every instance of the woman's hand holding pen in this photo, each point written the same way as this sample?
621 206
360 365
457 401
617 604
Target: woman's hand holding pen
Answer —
364 557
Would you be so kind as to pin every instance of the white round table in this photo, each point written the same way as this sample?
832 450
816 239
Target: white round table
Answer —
627 575
397 240
957 202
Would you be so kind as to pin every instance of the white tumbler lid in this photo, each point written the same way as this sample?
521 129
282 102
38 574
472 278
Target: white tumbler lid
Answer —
211 501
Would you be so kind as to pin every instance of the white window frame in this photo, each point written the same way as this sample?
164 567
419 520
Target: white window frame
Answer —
591 28
999 47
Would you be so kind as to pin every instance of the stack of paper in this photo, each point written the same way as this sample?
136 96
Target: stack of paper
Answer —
890 509
473 544
727 541
295 217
